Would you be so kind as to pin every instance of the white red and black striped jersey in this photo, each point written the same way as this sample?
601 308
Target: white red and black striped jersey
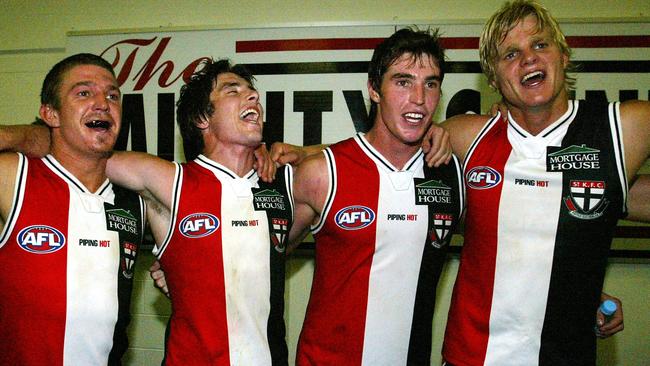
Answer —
66 257
380 246
224 262
541 213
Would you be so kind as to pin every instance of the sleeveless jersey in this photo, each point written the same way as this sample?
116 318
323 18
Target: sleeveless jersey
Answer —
66 257
380 247
224 262
541 216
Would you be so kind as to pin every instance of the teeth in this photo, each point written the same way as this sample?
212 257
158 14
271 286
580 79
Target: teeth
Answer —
532 75
415 117
250 114
98 124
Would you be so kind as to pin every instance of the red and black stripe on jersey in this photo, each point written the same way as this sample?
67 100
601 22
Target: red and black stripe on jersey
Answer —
583 243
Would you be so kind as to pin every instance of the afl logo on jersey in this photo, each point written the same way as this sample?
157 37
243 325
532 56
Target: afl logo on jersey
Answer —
40 239
354 217
198 225
482 177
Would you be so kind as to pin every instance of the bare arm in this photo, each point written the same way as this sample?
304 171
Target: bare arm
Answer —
638 204
309 192
8 167
32 140
635 121
463 129
293 154
150 176
143 173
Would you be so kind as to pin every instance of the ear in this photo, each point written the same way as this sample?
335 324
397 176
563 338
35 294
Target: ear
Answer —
494 85
374 95
49 115
565 60
202 123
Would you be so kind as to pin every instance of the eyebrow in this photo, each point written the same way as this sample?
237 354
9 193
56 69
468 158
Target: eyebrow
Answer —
507 50
411 77
90 84
234 84
230 84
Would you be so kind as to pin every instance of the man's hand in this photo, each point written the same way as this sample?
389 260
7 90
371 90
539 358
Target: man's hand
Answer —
291 154
436 146
158 277
264 164
615 323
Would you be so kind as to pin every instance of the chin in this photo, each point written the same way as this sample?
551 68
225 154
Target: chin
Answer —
103 150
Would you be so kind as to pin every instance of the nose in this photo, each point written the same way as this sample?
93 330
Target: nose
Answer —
253 95
417 94
101 102
529 57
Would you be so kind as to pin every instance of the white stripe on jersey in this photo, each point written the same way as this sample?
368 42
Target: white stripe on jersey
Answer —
399 246
526 221
247 290
93 290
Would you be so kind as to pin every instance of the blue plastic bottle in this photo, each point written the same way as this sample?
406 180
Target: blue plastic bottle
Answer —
608 308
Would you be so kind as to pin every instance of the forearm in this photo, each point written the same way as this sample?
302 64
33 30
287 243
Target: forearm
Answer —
639 199
32 140
314 149
143 173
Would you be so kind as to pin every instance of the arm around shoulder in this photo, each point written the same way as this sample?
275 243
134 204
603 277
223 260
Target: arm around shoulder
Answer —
284 153
143 173
32 140
463 129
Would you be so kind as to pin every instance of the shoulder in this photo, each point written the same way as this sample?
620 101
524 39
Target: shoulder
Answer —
635 125
312 173
9 165
312 164
343 144
635 110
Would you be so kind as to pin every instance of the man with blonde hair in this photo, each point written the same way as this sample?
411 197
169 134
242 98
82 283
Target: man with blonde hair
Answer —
545 187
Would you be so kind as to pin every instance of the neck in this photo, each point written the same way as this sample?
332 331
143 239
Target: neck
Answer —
396 152
89 169
536 119
237 158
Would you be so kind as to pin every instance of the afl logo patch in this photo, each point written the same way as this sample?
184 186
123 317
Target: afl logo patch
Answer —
482 177
354 217
40 239
198 225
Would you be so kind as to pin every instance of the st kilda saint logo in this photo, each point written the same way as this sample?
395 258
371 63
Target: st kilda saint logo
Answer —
586 199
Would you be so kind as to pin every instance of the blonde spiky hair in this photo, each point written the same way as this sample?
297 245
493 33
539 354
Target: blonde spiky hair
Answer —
500 23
